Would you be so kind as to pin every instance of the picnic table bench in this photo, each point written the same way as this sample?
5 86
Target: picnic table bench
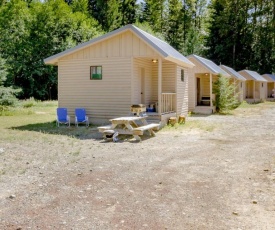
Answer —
135 126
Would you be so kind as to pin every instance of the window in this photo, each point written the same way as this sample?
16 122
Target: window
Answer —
182 74
96 72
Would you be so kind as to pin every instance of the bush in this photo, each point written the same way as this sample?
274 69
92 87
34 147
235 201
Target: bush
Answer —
8 96
226 98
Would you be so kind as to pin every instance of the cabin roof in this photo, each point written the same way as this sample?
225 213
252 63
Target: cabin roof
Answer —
233 73
211 66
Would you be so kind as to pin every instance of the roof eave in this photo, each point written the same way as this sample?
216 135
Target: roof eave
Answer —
179 62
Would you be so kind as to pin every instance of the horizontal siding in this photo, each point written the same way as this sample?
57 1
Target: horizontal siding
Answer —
182 92
106 98
168 77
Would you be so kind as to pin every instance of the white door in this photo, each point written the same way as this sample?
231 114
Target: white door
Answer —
142 86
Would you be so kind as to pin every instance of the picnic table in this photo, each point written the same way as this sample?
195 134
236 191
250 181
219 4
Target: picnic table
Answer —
132 125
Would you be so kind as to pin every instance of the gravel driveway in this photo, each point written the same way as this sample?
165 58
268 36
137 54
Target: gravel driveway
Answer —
218 173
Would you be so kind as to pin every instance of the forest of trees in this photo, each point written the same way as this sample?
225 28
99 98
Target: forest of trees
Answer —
237 33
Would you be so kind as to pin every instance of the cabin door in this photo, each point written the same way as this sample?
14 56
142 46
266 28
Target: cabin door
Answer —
198 90
142 86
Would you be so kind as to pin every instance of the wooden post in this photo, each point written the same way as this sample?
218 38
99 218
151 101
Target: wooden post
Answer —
211 103
254 90
159 85
181 119
172 121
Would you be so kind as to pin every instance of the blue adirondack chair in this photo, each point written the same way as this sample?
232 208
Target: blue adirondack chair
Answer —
62 117
81 117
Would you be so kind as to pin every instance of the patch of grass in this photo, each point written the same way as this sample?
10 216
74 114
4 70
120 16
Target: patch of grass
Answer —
191 125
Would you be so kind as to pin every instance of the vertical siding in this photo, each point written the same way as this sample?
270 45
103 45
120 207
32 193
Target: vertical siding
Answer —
182 91
126 44
104 98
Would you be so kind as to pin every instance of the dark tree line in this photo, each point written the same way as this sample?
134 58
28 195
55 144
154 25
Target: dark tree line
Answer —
238 33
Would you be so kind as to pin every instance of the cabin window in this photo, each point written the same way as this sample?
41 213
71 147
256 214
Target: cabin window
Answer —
182 75
96 72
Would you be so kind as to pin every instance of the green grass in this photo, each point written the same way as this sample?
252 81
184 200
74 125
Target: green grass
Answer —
22 122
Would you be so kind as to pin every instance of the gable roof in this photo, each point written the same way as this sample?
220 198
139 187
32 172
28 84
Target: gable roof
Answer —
269 77
252 75
161 47
233 73
211 66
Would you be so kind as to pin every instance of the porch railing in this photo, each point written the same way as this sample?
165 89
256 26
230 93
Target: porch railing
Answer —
168 102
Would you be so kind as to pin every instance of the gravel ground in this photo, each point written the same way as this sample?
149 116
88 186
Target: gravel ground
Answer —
217 174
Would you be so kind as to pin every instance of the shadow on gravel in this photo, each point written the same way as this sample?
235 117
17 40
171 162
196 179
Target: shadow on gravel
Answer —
80 132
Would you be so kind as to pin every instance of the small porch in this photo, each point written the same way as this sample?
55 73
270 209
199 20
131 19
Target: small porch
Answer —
270 90
252 91
204 93
155 86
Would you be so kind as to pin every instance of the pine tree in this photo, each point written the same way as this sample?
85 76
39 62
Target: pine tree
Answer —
225 97
154 11
107 13
128 10
174 34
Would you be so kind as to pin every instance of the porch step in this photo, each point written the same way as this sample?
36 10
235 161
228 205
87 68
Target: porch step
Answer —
203 110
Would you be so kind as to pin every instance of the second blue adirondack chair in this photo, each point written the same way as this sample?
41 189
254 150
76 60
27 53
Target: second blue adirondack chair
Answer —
81 117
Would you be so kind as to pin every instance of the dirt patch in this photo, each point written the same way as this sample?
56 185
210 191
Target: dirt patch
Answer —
217 176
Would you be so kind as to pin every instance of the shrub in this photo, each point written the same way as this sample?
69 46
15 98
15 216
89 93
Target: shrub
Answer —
226 98
8 96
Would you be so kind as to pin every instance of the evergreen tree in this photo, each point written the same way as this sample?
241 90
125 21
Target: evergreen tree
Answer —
154 11
174 34
107 13
128 10
242 34
226 99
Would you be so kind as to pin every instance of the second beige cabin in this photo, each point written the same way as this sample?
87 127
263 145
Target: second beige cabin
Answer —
201 79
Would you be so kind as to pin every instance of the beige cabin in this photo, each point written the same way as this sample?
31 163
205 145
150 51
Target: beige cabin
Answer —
255 87
270 86
122 68
238 81
201 79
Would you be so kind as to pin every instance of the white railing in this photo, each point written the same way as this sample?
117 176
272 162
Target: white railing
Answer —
168 102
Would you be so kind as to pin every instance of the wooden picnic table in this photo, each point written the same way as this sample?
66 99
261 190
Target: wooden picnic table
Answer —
130 125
